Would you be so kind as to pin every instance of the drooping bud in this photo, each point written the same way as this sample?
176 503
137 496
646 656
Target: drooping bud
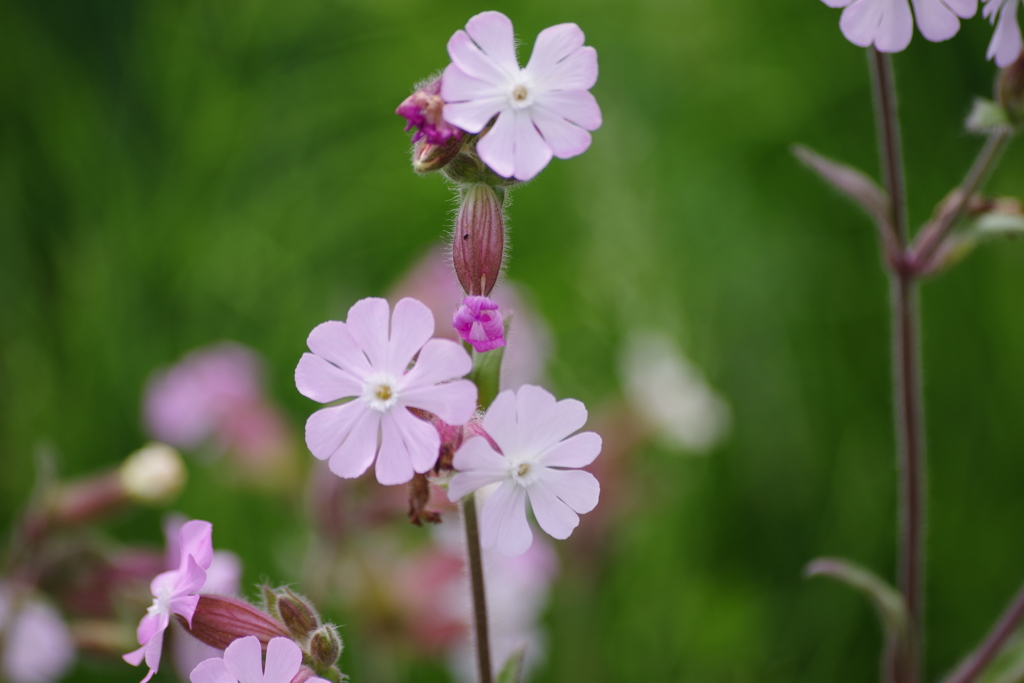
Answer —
325 647
298 615
478 322
220 620
427 157
1010 90
153 474
478 242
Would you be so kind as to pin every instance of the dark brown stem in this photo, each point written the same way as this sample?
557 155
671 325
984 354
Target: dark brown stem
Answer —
974 664
476 576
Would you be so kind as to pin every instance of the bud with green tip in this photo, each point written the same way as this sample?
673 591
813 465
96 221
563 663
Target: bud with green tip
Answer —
478 241
325 647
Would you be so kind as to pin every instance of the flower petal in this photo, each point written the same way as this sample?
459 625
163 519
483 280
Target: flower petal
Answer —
578 106
578 71
283 661
243 659
492 31
154 650
532 152
367 322
503 521
421 440
454 402
935 20
965 9
321 381
474 115
333 341
578 489
887 24
412 325
135 657
327 428
554 516
500 422
478 466
473 62
459 87
185 605
1006 40
553 44
149 627
211 671
497 147
565 139
354 455
576 451
440 360
394 461
543 422
196 540
837 3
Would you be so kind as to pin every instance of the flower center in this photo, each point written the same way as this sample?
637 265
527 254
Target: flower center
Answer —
381 392
524 471
519 93
161 602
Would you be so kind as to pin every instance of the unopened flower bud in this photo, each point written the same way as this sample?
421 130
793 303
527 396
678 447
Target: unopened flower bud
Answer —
478 322
325 647
153 474
424 111
427 157
1010 90
478 242
298 614
220 620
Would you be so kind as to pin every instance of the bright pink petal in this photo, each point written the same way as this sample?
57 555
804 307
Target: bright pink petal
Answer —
328 428
497 148
211 671
283 661
412 325
500 422
150 626
554 44
321 381
565 139
473 62
935 20
135 657
492 31
333 341
368 324
532 153
503 521
454 402
243 659
440 360
197 541
472 116
576 451
578 71
185 605
543 422
394 461
578 489
458 86
578 106
154 650
554 516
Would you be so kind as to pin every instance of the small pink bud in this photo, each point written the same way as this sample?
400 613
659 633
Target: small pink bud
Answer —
423 109
478 243
427 157
478 322
219 620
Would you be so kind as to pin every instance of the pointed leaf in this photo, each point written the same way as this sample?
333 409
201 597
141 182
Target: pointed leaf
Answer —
987 117
512 672
486 374
857 186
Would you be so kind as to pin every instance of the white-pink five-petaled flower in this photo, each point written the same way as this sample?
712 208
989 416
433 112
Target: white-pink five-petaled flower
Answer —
538 462
174 592
543 109
889 26
1006 42
243 663
359 359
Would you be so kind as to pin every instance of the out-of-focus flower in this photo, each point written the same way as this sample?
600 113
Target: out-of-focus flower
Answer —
1006 42
669 394
153 474
889 26
243 663
423 110
359 359
527 335
35 643
542 110
478 322
174 592
539 460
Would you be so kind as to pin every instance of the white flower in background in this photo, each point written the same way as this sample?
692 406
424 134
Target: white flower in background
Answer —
35 644
669 393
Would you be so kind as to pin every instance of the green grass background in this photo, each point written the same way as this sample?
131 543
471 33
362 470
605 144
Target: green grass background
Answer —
176 172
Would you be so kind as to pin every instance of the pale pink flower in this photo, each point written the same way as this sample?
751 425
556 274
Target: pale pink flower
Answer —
174 592
1006 42
889 26
35 643
538 462
359 359
478 322
243 663
543 109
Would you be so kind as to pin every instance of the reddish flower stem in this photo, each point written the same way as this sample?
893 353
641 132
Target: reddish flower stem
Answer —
476 576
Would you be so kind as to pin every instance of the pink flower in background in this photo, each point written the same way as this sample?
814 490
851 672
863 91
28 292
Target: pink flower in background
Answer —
243 663
1006 42
478 322
538 462
889 25
174 592
35 644
543 109
423 110
359 359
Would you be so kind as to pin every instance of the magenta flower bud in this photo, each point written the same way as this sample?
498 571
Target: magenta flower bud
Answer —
478 322
219 620
423 109
478 243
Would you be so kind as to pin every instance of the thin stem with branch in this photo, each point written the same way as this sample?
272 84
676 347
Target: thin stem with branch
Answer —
975 663
476 577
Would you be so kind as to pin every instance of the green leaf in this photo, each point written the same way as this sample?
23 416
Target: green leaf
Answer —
486 374
997 224
512 672
987 116
889 604
857 186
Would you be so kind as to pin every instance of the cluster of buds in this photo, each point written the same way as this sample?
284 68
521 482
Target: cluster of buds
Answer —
220 620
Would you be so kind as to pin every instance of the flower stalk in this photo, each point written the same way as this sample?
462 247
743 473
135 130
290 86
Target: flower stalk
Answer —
476 578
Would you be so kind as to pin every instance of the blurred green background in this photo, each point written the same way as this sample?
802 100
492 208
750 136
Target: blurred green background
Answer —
175 172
